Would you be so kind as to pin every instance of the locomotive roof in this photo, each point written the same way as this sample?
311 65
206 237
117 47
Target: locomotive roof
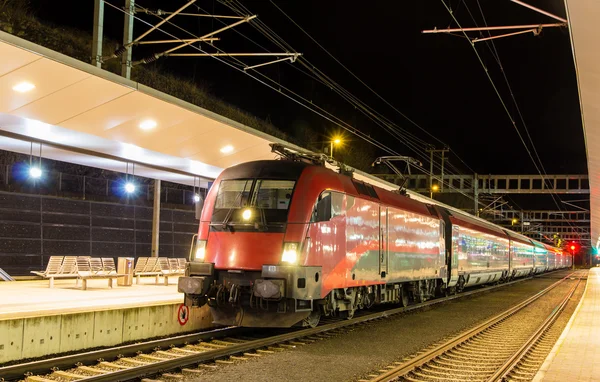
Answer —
265 169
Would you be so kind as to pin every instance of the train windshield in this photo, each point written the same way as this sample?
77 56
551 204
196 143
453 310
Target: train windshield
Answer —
253 202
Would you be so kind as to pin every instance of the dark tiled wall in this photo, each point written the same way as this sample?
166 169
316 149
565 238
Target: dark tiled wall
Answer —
33 228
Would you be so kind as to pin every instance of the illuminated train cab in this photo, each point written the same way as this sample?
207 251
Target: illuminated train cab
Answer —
282 243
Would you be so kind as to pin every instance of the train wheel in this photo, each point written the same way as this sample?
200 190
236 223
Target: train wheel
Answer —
312 320
403 297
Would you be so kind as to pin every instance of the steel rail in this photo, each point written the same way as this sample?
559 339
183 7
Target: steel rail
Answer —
38 367
424 358
68 361
504 370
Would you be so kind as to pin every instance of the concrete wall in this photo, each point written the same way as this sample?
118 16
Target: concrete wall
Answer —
42 336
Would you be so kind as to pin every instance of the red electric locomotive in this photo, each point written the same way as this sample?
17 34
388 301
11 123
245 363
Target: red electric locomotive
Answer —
284 242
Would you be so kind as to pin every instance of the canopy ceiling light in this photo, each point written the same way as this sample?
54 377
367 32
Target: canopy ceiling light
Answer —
148 124
23 87
227 149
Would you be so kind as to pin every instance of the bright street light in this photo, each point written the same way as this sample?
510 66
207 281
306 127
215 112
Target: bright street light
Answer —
334 141
129 187
196 198
35 172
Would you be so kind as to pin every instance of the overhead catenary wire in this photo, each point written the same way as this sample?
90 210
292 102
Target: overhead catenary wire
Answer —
344 94
494 51
416 149
321 78
330 118
537 167
321 112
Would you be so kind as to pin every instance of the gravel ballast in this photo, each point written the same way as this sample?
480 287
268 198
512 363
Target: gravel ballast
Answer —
363 348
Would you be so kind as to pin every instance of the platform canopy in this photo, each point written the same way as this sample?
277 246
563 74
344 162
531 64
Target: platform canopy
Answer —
583 18
78 113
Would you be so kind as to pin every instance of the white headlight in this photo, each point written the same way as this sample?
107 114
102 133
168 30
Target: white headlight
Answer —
290 253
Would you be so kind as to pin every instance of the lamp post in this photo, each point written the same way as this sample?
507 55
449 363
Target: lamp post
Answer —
434 188
335 141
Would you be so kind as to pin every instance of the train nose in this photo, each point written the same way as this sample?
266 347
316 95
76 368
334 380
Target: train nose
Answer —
244 250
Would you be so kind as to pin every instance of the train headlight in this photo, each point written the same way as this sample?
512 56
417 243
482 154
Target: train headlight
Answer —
290 253
200 250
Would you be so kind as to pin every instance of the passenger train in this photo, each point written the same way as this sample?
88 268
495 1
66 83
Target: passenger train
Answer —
285 242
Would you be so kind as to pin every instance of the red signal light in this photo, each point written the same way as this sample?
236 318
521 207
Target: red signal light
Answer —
572 247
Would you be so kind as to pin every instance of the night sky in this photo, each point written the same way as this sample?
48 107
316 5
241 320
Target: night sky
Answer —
435 80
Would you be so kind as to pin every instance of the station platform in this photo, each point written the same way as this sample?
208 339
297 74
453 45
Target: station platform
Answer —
575 356
36 320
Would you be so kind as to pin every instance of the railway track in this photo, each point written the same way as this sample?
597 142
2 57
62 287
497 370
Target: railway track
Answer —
507 347
196 353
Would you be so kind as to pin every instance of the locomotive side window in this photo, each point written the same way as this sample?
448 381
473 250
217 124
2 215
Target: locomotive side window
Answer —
337 204
322 212
329 205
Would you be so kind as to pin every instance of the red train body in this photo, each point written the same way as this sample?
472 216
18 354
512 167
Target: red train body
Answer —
282 243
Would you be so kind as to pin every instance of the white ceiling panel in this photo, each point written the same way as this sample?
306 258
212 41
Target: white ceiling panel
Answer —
80 97
48 77
14 58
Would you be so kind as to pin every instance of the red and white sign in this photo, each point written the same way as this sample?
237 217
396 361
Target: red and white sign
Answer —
183 314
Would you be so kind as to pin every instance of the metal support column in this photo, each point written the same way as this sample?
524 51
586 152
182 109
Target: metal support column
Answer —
156 218
442 174
98 32
431 174
521 219
476 194
127 38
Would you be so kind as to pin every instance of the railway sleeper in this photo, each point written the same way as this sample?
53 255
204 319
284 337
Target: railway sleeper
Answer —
478 353
151 357
445 378
447 365
445 368
522 372
466 359
441 372
35 378
134 361
482 347
113 365
93 370
191 372
68 376
174 376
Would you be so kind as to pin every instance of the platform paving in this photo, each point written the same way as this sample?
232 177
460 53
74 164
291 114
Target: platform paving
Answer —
24 299
576 355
